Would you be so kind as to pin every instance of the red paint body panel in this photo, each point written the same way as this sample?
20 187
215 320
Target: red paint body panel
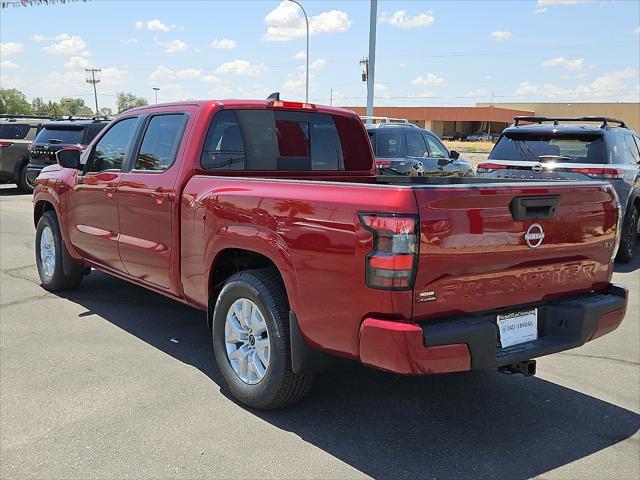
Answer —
166 230
398 347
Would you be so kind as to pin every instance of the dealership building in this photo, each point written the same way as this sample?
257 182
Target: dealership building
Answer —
462 121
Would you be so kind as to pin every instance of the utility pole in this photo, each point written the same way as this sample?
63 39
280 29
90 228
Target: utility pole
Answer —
91 78
156 90
306 19
371 65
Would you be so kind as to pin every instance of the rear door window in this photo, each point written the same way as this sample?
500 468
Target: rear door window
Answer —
416 147
272 140
571 148
633 157
14 131
160 143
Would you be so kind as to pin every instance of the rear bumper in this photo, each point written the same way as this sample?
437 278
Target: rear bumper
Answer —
472 342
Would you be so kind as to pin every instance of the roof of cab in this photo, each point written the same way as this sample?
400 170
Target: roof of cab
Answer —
238 103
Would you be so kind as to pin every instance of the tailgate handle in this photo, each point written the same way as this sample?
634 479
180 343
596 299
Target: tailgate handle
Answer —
534 208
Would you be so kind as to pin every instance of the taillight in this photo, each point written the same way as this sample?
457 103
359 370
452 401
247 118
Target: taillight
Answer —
489 167
291 105
4 144
392 263
603 173
383 163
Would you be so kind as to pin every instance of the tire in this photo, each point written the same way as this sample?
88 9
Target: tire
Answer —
49 254
23 183
628 238
279 385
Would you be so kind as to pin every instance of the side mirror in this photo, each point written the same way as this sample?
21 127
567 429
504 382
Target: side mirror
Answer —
454 155
68 158
444 161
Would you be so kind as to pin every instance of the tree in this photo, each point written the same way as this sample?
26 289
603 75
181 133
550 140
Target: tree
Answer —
106 112
45 109
126 100
74 106
14 102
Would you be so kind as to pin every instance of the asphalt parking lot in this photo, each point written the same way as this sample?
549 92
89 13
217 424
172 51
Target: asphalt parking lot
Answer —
112 381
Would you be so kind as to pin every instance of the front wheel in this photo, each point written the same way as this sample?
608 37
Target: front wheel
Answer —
251 341
628 237
49 251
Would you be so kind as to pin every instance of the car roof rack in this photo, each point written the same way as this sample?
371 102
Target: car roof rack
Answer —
556 120
81 117
388 121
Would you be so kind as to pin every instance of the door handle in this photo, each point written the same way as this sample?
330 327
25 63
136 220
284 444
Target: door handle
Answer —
159 194
110 190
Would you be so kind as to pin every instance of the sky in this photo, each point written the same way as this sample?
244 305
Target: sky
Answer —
428 52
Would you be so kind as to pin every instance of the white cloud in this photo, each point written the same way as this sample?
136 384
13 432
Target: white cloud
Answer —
550 3
76 63
610 85
154 25
317 65
173 46
114 76
501 35
64 80
71 45
431 80
164 73
637 30
241 67
174 92
10 48
9 65
11 82
39 38
540 10
568 63
380 88
478 93
223 44
301 55
221 88
400 19
286 22
131 41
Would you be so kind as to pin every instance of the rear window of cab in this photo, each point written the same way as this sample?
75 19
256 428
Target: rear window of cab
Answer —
267 140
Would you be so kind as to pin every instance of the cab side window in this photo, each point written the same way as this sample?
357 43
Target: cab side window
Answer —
437 149
109 152
160 143
633 157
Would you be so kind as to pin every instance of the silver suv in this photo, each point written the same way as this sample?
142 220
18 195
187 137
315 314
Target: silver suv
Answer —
567 149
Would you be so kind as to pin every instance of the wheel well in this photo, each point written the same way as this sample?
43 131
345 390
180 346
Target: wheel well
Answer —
231 261
39 209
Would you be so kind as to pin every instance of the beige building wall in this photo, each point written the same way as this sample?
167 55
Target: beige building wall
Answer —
628 112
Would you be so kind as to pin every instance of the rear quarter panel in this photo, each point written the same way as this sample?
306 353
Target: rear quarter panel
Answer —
310 231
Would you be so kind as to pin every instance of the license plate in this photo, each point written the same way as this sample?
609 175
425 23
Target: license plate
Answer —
518 327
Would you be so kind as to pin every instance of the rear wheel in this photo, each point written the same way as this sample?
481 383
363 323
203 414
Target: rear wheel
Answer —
251 341
49 252
24 185
628 238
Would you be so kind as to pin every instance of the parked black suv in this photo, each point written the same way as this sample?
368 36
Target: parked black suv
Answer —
562 149
16 133
58 134
402 148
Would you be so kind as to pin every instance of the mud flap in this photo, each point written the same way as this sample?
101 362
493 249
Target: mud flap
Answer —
304 358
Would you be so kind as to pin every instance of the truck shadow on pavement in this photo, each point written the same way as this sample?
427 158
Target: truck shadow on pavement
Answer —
632 266
478 424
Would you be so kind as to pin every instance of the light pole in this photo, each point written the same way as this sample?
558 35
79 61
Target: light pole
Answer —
91 78
156 90
371 65
306 19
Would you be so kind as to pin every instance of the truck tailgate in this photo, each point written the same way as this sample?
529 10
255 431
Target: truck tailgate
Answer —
474 255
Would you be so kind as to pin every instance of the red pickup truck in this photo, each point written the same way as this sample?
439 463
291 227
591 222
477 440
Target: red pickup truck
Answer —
268 215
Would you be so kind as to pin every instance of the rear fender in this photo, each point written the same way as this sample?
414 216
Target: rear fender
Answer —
258 240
